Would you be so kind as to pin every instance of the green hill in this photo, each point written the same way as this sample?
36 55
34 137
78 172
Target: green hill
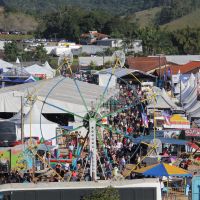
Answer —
145 17
191 20
114 6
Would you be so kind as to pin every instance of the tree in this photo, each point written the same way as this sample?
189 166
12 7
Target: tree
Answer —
108 193
11 51
40 53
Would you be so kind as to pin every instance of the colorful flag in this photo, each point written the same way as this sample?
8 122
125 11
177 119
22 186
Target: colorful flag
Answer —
145 121
169 72
166 117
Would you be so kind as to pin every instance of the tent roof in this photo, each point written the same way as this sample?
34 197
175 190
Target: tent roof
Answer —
30 79
180 86
160 103
169 100
64 95
16 72
149 138
192 106
192 96
34 115
120 72
36 69
48 67
178 119
163 169
5 65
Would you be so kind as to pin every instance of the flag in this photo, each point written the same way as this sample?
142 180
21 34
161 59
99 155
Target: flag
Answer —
145 121
166 117
169 72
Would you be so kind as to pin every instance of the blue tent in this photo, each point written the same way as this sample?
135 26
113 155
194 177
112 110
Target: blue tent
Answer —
163 169
162 139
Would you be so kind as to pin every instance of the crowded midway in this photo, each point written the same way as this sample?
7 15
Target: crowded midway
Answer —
140 130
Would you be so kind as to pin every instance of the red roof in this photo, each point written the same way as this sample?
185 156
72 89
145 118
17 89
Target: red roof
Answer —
97 35
191 67
145 64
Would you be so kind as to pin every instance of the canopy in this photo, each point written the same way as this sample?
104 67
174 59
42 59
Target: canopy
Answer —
177 121
149 138
180 86
5 65
30 80
37 70
48 67
36 125
163 169
65 97
169 100
191 97
160 103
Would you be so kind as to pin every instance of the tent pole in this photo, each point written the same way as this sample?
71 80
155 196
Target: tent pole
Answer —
22 120
167 186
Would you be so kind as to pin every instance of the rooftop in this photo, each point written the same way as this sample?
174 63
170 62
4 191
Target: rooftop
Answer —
145 64
78 185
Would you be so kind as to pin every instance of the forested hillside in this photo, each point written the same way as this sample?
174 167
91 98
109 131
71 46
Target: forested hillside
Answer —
115 6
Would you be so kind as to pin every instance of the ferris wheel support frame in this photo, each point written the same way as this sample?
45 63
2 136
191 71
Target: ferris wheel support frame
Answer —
93 148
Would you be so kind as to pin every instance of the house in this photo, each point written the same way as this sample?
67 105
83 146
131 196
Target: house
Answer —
146 64
113 43
96 60
181 59
188 68
135 46
92 37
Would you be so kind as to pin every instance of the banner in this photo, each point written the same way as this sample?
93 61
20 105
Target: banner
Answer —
193 132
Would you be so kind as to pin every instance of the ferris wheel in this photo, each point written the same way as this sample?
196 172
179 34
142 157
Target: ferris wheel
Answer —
98 119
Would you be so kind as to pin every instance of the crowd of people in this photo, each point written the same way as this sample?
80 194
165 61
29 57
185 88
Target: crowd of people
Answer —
114 144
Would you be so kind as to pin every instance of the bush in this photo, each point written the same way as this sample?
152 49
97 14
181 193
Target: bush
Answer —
108 193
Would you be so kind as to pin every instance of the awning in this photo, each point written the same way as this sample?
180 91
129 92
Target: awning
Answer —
163 169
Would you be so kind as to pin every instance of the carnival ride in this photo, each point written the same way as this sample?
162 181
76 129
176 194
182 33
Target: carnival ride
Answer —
92 121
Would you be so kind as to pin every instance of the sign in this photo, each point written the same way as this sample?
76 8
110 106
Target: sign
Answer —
193 132
42 76
172 134
167 133
104 120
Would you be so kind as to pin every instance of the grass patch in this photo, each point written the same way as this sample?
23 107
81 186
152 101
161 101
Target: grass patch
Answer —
191 20
145 17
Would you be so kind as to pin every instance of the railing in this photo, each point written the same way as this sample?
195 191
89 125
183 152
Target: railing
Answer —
174 193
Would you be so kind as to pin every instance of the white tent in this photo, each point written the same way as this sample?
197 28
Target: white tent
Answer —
65 97
190 84
169 100
37 70
192 96
37 125
48 67
5 65
105 78
160 103
180 86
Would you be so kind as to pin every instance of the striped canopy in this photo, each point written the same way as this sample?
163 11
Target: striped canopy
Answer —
163 169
